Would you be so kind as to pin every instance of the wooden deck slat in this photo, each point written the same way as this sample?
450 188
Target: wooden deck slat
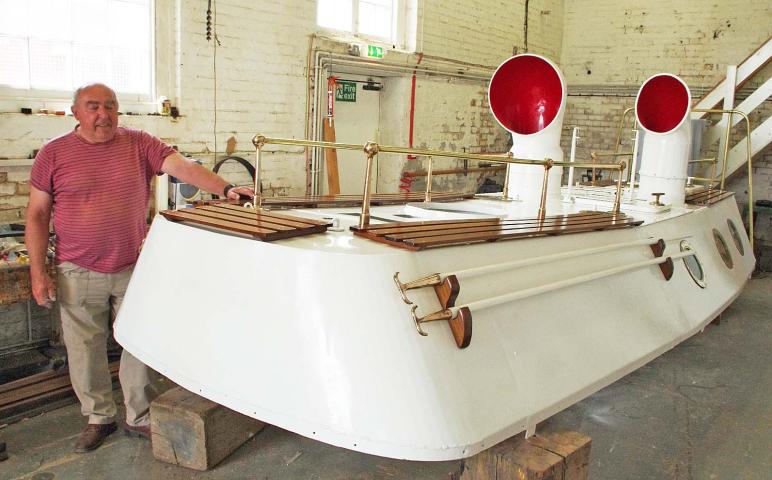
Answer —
546 227
707 197
250 215
262 230
408 227
512 233
237 227
386 226
205 212
449 232
273 215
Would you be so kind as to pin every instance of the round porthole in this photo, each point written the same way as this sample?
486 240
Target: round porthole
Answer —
738 239
722 248
693 265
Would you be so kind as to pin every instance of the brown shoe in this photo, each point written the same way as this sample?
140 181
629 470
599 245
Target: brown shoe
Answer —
93 436
136 431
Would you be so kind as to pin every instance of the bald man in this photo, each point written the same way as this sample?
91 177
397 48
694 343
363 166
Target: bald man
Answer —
95 182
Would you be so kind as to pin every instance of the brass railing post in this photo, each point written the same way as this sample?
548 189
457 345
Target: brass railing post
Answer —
428 196
505 190
619 128
543 204
371 150
618 198
726 158
726 150
259 142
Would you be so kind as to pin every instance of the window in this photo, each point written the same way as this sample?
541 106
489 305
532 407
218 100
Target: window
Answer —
50 47
375 19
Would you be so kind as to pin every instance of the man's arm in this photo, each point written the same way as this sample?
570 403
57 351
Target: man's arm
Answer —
191 172
36 238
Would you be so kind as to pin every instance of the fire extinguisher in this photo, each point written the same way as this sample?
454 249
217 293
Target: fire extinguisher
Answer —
331 81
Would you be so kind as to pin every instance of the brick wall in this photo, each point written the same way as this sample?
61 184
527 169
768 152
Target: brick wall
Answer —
260 78
260 85
611 46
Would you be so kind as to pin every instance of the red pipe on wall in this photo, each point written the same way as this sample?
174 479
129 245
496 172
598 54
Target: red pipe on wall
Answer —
406 182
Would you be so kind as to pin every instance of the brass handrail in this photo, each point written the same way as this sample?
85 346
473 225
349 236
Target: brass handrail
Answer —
371 149
731 112
619 128
631 174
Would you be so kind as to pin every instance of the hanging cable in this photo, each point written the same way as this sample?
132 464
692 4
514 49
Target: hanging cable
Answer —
211 33
209 21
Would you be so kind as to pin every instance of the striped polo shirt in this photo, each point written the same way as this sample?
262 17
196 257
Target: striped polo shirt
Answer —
100 195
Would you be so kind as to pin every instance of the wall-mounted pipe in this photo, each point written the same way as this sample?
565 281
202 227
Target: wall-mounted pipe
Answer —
451 171
324 60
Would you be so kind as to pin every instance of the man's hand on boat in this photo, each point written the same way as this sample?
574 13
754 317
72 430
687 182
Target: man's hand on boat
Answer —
238 193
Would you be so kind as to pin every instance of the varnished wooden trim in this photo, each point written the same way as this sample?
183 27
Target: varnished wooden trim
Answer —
461 326
448 291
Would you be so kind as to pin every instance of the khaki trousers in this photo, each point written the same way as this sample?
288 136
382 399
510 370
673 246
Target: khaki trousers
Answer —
86 298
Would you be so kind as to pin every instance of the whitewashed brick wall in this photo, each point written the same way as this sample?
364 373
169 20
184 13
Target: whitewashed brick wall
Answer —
260 85
622 42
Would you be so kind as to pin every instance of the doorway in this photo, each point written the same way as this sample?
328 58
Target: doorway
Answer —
356 121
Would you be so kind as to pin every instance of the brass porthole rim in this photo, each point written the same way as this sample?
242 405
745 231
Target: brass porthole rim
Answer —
687 247
723 249
735 234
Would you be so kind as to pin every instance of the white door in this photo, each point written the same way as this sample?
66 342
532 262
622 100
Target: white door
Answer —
355 122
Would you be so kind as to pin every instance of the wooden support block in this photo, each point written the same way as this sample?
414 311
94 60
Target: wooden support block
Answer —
552 456
193 432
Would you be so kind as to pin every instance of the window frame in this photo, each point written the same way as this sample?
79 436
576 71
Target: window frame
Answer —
12 99
397 41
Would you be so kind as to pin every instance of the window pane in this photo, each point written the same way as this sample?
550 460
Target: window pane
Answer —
131 27
72 42
14 61
375 18
90 64
334 14
89 22
50 64
13 19
49 19
130 70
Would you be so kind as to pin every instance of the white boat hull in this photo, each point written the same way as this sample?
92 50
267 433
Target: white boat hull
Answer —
311 334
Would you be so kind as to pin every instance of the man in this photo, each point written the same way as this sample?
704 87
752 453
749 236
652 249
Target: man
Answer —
96 182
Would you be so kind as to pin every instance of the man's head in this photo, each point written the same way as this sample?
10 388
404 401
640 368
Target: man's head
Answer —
95 106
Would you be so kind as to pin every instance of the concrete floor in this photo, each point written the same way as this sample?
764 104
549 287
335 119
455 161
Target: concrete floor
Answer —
701 411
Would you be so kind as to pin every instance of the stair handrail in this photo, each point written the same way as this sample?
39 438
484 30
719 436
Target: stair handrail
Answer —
731 112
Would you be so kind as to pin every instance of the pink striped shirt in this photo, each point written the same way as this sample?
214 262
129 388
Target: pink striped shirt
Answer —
100 195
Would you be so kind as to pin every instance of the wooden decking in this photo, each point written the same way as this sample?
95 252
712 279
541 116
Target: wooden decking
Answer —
421 235
707 197
264 225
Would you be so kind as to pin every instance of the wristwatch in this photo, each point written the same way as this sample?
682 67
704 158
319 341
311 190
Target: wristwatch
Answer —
227 189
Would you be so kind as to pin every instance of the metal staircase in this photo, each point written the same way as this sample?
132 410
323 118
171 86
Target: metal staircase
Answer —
723 96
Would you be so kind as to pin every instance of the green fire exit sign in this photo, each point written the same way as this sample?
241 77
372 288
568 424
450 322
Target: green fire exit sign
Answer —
345 91
374 51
